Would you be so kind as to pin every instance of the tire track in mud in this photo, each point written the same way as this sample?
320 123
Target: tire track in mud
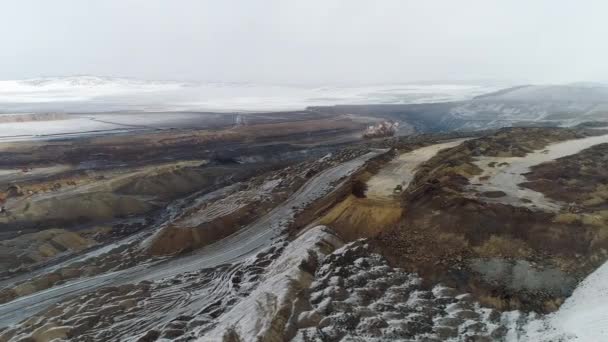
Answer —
174 302
181 299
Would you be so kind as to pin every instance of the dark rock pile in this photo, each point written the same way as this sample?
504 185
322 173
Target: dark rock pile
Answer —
357 296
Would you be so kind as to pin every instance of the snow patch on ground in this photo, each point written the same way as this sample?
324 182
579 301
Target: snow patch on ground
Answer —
508 172
582 317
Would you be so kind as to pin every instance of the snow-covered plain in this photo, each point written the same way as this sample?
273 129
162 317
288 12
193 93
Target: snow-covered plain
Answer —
95 94
93 102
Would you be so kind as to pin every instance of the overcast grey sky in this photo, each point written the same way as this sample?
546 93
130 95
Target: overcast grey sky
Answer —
308 41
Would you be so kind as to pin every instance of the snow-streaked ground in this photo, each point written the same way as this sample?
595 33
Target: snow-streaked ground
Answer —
239 246
401 170
582 318
255 317
508 172
95 94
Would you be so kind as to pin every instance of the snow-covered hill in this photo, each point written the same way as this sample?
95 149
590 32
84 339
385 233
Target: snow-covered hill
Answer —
559 105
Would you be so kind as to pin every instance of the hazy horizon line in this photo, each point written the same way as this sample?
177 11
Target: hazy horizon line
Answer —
472 81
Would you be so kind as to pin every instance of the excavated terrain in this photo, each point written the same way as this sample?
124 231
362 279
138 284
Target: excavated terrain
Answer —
512 256
282 232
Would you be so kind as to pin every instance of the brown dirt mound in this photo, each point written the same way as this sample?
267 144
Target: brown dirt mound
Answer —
361 217
174 239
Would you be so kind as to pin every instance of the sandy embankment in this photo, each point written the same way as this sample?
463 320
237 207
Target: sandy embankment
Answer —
381 208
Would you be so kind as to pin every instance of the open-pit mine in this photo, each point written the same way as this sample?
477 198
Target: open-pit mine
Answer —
302 226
